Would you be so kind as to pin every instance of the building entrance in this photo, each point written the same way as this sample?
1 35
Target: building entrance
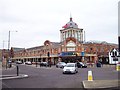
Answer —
67 59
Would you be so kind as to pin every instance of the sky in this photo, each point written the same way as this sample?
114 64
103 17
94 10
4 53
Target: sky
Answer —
38 20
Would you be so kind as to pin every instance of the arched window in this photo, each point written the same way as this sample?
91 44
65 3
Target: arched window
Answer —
71 46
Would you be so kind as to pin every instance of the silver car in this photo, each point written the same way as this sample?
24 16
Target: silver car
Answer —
70 68
60 64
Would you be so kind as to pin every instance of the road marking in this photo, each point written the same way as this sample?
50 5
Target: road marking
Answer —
6 85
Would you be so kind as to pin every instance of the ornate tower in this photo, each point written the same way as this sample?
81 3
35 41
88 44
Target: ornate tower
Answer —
71 36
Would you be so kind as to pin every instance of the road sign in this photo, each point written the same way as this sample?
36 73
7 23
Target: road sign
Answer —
82 53
115 59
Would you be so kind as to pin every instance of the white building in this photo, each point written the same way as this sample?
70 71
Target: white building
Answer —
113 56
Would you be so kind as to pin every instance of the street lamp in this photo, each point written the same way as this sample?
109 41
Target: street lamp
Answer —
9 46
9 39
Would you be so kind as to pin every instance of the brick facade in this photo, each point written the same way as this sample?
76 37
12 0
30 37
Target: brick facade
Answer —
71 41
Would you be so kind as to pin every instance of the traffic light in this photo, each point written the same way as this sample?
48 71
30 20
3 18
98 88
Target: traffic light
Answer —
12 53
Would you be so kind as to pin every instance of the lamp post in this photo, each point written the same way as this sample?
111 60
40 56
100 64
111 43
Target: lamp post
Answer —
9 47
9 39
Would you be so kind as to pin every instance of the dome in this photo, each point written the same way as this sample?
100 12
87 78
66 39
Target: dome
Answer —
70 24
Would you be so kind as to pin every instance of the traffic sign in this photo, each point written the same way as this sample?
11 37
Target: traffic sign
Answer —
82 53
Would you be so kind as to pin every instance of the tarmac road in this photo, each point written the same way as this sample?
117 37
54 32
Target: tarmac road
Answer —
53 78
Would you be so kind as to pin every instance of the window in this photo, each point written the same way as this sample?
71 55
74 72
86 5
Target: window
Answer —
71 46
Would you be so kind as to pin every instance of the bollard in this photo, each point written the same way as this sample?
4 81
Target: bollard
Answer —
90 77
118 67
17 71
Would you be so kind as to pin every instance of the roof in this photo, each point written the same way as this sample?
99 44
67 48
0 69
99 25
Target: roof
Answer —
34 48
95 41
70 24
17 49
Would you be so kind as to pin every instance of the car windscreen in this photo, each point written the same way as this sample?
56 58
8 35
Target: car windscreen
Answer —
70 65
81 63
62 63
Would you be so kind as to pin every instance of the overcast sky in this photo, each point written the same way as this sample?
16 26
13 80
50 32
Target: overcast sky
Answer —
40 20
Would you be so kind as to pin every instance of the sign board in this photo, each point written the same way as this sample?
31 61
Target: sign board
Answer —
115 59
67 54
82 53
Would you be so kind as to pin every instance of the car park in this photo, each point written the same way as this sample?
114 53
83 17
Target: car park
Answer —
81 65
60 64
70 68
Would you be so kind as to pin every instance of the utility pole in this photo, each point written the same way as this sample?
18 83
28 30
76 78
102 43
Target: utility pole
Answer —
9 48
119 31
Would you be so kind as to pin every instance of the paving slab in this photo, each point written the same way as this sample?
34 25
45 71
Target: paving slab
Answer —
4 77
101 84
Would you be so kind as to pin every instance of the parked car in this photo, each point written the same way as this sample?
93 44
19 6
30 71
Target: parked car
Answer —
18 62
43 63
70 68
34 63
60 64
28 63
81 65
98 64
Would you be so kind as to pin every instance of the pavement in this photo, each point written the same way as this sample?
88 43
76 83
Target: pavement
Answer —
4 77
101 84
14 76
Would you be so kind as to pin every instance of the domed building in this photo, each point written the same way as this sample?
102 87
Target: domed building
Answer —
71 48
71 41
70 24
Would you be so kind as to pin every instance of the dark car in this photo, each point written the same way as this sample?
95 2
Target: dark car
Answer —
81 65
98 64
43 63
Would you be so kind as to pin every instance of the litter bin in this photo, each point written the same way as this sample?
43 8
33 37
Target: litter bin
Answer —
118 67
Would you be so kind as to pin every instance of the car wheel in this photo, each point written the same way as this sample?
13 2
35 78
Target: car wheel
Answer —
75 72
62 67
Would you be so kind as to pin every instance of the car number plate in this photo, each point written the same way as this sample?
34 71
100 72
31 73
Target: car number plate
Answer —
67 69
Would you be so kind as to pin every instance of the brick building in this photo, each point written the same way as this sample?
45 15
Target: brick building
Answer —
72 47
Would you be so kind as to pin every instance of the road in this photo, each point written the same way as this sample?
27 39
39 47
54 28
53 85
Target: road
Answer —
54 78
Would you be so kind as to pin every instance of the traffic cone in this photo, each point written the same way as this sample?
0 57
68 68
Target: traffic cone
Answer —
90 77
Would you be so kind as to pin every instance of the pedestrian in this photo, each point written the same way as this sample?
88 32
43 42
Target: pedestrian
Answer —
10 63
40 64
49 63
